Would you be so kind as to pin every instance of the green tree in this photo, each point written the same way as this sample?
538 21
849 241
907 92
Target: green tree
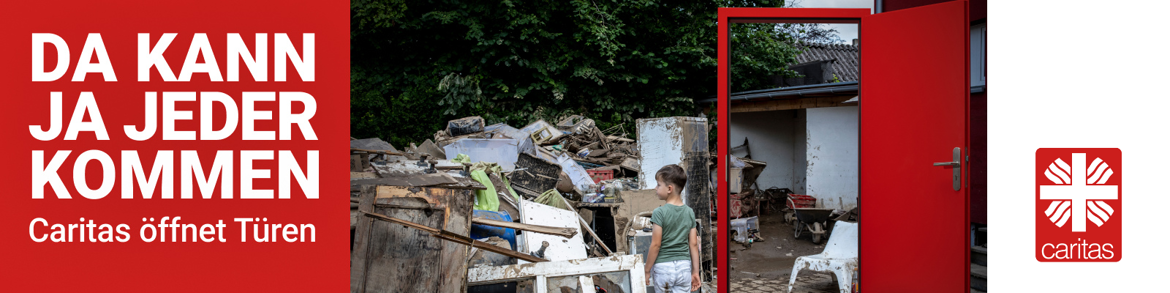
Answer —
416 64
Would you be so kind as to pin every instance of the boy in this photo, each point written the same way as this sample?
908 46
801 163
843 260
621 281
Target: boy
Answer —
674 248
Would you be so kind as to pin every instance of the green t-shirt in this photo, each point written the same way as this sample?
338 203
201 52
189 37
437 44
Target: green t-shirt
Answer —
676 223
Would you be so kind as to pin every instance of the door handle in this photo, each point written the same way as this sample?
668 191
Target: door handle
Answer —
958 167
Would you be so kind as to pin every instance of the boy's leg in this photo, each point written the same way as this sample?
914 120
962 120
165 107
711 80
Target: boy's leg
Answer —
683 277
661 277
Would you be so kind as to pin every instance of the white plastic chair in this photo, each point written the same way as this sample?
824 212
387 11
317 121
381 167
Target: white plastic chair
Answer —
839 257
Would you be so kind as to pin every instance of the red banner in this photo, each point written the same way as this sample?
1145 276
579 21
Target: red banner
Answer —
174 146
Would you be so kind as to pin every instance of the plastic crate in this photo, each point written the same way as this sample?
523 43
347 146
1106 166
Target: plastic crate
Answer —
801 201
534 176
599 175
538 166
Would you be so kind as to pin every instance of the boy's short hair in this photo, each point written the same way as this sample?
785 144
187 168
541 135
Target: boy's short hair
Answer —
672 174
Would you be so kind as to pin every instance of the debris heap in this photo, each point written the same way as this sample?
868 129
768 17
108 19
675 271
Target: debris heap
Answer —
495 196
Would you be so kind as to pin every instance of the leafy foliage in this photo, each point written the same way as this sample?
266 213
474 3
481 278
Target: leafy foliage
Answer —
416 64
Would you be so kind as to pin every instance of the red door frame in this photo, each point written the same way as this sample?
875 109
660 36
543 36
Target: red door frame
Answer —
753 15
763 15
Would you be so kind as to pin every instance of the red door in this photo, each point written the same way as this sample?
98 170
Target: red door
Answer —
914 102
913 142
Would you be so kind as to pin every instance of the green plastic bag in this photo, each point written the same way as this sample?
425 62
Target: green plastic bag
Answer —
485 199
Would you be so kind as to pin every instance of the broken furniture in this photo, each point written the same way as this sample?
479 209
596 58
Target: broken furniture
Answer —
392 257
624 273
839 257
534 176
559 248
411 234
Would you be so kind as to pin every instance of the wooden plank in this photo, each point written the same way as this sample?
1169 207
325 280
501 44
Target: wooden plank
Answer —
790 104
422 227
489 247
618 138
459 239
389 192
564 232
377 152
419 180
357 261
454 256
362 175
598 204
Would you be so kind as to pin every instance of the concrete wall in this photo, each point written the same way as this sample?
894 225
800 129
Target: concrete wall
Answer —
777 138
800 153
832 156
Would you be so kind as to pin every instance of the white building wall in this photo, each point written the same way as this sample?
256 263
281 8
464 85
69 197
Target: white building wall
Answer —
832 156
800 153
775 137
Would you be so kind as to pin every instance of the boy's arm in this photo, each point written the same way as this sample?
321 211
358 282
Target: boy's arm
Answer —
655 244
696 282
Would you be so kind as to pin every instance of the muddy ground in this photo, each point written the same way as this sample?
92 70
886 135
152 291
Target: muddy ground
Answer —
772 259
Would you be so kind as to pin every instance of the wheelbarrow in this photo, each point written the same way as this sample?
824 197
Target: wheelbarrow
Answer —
796 201
812 219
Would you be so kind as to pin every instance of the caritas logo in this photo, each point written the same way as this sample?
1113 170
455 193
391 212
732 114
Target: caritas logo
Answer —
1078 205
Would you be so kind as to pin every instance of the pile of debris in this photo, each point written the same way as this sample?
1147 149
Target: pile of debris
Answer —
478 202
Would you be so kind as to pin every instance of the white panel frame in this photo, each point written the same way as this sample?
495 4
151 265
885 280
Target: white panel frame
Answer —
541 271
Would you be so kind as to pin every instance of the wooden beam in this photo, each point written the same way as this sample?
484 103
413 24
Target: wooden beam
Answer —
618 138
566 232
442 234
377 152
790 104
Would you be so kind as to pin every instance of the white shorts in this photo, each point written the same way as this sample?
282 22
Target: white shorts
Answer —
672 277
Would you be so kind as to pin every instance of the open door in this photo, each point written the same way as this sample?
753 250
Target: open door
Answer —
913 150
913 144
